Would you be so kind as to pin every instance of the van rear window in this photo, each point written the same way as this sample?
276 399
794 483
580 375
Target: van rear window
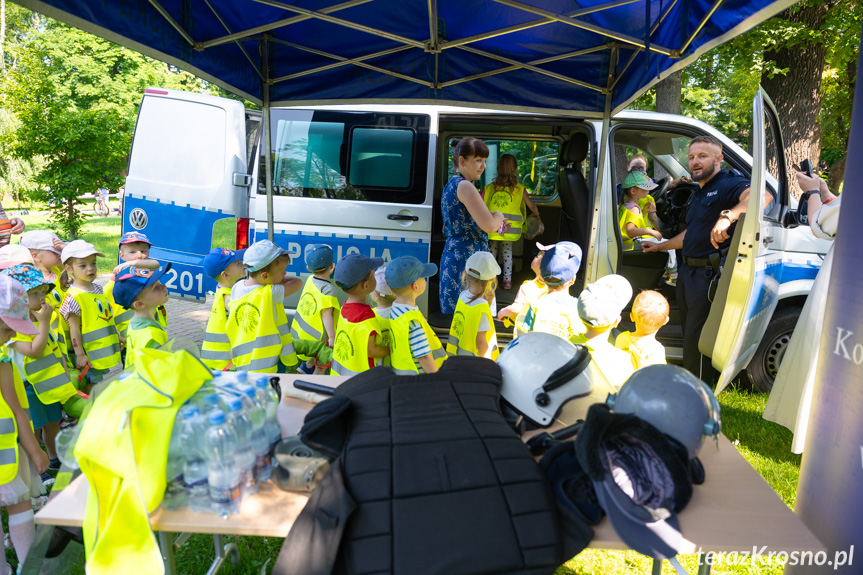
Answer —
349 155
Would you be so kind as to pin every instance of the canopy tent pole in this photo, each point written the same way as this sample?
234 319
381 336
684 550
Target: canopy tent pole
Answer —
600 176
268 140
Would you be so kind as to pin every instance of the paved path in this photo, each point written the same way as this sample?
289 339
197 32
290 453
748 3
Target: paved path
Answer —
187 319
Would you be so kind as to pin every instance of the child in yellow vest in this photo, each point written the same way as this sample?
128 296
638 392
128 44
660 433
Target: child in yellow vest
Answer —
383 296
472 330
649 312
21 458
637 210
523 309
257 326
139 289
95 341
414 347
226 267
599 307
556 312
41 365
318 309
134 251
45 247
509 197
360 336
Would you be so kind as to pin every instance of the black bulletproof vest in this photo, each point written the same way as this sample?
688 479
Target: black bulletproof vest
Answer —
437 482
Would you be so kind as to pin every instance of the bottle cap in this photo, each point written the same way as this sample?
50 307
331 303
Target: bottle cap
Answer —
234 404
262 381
249 391
217 417
241 375
191 411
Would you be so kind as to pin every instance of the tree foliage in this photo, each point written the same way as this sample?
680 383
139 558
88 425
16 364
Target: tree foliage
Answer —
75 97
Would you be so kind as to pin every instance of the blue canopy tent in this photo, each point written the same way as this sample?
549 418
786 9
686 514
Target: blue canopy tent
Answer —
591 57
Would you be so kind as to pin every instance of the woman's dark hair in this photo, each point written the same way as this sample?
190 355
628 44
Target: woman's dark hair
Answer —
467 147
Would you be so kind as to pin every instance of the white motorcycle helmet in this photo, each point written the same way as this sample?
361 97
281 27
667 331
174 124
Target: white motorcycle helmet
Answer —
541 372
672 400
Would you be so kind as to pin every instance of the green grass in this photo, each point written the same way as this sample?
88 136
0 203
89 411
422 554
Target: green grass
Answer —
765 445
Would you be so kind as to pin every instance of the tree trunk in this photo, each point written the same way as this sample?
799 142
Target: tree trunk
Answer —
2 35
668 102
797 94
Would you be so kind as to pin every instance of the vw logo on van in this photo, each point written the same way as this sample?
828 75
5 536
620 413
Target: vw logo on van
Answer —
138 218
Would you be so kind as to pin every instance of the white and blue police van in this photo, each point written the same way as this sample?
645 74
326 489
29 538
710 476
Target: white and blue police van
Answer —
368 179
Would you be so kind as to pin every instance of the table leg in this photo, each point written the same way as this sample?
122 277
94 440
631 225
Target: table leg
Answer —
703 565
222 553
657 567
166 543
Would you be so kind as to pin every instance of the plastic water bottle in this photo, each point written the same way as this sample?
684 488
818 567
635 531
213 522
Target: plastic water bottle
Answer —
210 403
245 457
268 398
222 474
175 489
259 440
241 377
192 436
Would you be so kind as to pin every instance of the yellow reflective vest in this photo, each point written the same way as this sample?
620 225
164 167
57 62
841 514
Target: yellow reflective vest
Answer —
47 374
510 202
401 358
259 334
122 449
54 298
465 326
98 332
557 313
137 339
351 351
533 290
8 443
123 316
308 323
216 348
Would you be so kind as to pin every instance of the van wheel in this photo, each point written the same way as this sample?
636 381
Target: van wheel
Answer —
761 372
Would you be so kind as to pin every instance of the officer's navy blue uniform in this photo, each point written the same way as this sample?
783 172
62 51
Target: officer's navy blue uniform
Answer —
721 192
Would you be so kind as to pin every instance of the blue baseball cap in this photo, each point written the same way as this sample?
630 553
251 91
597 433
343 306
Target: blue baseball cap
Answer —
129 283
218 259
560 263
132 237
319 256
405 270
352 268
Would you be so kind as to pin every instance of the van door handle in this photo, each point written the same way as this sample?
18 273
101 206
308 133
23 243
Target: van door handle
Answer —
403 217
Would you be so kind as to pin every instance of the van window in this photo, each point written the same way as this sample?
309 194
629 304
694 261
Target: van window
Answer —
349 156
536 163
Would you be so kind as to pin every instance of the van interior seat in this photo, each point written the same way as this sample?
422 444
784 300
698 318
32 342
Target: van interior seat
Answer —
574 194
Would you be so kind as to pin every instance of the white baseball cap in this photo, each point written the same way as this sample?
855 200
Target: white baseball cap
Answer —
78 249
39 240
261 254
482 266
14 254
381 285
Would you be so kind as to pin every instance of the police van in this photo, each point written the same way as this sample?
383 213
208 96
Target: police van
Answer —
368 179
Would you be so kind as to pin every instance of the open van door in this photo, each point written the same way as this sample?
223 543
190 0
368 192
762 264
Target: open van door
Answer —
188 169
749 289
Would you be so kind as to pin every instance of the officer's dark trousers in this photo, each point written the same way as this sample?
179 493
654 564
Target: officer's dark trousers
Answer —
692 286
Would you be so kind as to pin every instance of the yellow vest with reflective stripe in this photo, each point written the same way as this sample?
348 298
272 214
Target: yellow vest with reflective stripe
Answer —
137 339
47 374
54 298
556 313
258 330
533 290
400 348
8 443
98 332
464 328
308 323
511 203
122 316
351 351
216 348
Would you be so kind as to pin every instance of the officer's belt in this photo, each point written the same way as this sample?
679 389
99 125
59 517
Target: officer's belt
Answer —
712 261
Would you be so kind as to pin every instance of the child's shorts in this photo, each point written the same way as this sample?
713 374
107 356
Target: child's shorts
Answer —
42 414
95 375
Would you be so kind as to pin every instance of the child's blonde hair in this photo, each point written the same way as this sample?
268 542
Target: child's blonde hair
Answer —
485 287
650 309
507 172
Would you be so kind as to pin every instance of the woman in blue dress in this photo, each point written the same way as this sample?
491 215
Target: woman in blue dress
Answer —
467 221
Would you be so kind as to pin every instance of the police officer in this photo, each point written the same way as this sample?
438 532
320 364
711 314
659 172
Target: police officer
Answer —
716 205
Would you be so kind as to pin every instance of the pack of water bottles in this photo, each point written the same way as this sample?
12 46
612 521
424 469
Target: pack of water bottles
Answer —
222 444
